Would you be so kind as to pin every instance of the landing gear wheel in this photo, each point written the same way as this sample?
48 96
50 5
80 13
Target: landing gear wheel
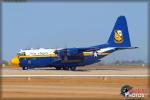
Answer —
25 68
58 68
65 68
73 68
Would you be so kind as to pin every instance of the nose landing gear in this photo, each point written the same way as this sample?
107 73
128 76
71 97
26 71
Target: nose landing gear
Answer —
25 67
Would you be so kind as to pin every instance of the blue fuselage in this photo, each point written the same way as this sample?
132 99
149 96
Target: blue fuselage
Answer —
55 61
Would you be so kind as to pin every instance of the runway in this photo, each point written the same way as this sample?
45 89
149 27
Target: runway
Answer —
100 71
116 76
94 83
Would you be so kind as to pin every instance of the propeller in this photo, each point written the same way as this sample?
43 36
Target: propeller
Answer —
63 53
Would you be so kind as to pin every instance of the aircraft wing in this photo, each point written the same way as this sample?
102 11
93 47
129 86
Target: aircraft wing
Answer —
74 51
94 48
88 49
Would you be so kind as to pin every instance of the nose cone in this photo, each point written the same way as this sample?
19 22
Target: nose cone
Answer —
15 60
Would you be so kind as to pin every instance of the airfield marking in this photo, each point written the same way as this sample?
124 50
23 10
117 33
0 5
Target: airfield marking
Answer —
5 76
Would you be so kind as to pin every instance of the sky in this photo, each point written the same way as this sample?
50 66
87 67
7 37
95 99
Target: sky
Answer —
72 24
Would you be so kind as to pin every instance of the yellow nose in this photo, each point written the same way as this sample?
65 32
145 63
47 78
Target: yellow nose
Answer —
15 60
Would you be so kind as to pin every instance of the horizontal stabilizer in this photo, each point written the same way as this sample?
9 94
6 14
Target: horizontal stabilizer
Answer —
121 48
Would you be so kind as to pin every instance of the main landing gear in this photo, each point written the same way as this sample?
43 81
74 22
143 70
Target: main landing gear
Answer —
58 68
72 68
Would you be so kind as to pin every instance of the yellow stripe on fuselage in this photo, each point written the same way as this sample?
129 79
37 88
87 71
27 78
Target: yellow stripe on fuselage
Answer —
105 53
91 53
39 56
87 54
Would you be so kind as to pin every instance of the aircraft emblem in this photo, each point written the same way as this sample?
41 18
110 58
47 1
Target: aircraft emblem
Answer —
118 36
95 54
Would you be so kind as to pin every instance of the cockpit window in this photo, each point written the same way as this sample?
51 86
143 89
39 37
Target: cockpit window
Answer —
21 54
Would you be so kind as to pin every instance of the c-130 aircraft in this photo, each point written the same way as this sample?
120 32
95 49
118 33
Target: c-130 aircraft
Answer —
70 58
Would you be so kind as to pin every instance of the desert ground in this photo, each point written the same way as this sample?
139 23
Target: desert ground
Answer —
75 85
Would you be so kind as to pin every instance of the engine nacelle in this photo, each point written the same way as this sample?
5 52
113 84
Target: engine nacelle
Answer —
67 52
72 51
